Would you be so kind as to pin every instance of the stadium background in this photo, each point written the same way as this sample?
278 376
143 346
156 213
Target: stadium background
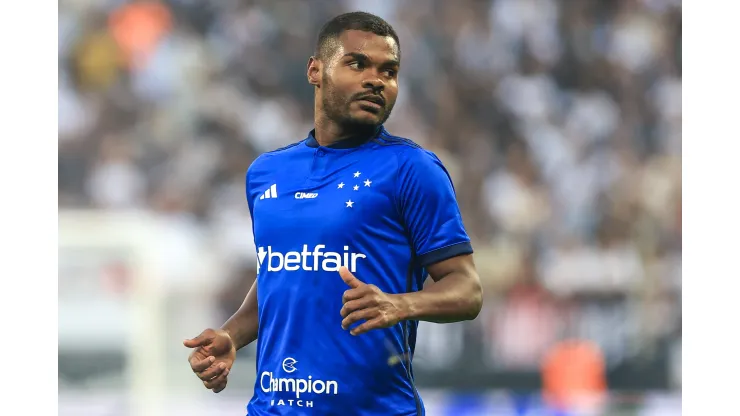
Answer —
560 122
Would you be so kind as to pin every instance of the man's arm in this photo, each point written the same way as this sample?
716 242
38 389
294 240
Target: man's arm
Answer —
430 213
456 294
242 326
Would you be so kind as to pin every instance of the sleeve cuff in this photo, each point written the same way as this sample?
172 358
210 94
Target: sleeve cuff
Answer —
444 253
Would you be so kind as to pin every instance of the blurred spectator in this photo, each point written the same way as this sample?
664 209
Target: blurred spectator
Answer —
574 377
138 27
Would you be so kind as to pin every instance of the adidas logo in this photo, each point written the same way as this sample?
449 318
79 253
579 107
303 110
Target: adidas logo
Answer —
270 193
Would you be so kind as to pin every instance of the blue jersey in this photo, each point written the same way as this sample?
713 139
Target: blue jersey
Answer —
384 208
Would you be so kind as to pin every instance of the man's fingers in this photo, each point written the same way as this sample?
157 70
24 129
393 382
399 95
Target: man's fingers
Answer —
212 371
356 305
220 387
349 278
357 316
218 381
201 365
376 323
353 294
205 338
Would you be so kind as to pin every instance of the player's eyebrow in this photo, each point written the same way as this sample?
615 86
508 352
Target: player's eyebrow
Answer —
364 58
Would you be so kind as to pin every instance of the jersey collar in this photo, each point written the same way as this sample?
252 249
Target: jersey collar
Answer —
347 143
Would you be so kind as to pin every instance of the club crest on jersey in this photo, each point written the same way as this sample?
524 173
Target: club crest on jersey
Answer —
354 185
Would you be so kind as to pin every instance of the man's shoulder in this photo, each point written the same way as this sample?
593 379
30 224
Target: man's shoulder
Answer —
397 142
268 159
405 149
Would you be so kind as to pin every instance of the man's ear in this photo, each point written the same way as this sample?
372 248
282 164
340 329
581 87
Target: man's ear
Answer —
313 71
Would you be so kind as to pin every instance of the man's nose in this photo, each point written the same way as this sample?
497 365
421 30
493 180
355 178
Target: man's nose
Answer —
374 83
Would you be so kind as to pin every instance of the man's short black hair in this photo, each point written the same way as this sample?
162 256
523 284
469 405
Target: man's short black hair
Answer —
366 22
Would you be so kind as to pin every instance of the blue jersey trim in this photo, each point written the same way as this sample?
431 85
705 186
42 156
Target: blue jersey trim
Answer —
407 328
348 143
284 147
386 138
444 253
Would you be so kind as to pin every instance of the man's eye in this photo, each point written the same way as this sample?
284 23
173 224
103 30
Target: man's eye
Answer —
391 73
355 65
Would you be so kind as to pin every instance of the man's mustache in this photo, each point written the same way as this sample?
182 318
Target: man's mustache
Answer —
373 98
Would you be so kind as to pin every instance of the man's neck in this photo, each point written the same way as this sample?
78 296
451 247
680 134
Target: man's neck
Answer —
328 132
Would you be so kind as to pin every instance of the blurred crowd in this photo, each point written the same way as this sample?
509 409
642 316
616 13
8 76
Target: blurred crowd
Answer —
560 122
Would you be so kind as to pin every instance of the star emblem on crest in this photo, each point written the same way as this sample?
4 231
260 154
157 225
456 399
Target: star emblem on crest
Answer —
355 187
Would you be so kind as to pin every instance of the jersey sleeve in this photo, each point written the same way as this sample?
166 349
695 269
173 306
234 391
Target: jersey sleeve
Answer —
250 201
249 181
248 192
427 203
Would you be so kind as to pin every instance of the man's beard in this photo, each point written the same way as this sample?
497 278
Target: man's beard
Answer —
337 109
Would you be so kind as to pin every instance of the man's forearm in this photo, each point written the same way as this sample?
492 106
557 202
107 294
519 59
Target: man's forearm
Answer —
455 297
243 325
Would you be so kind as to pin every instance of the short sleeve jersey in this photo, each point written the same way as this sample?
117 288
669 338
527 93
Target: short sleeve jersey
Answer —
386 209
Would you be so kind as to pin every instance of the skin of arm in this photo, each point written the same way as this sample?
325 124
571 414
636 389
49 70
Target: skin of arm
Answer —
242 326
456 294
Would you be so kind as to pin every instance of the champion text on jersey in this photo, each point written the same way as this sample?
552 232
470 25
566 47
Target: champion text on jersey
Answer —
271 382
314 259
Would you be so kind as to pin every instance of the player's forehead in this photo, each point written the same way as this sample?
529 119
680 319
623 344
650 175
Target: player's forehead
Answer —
376 47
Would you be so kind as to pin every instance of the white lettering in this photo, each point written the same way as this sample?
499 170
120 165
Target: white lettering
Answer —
332 385
356 256
319 387
316 254
286 384
270 384
331 258
292 261
274 255
315 259
306 195
262 381
298 403
305 254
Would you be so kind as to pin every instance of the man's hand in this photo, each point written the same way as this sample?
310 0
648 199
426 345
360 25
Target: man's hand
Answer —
212 358
367 302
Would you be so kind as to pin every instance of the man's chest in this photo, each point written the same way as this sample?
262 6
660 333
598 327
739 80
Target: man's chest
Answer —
324 201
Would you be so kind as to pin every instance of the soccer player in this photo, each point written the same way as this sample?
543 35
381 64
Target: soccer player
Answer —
347 223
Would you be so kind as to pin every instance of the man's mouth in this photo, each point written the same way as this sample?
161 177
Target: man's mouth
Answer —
372 101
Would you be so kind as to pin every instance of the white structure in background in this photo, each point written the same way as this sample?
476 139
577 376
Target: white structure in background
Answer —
117 295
